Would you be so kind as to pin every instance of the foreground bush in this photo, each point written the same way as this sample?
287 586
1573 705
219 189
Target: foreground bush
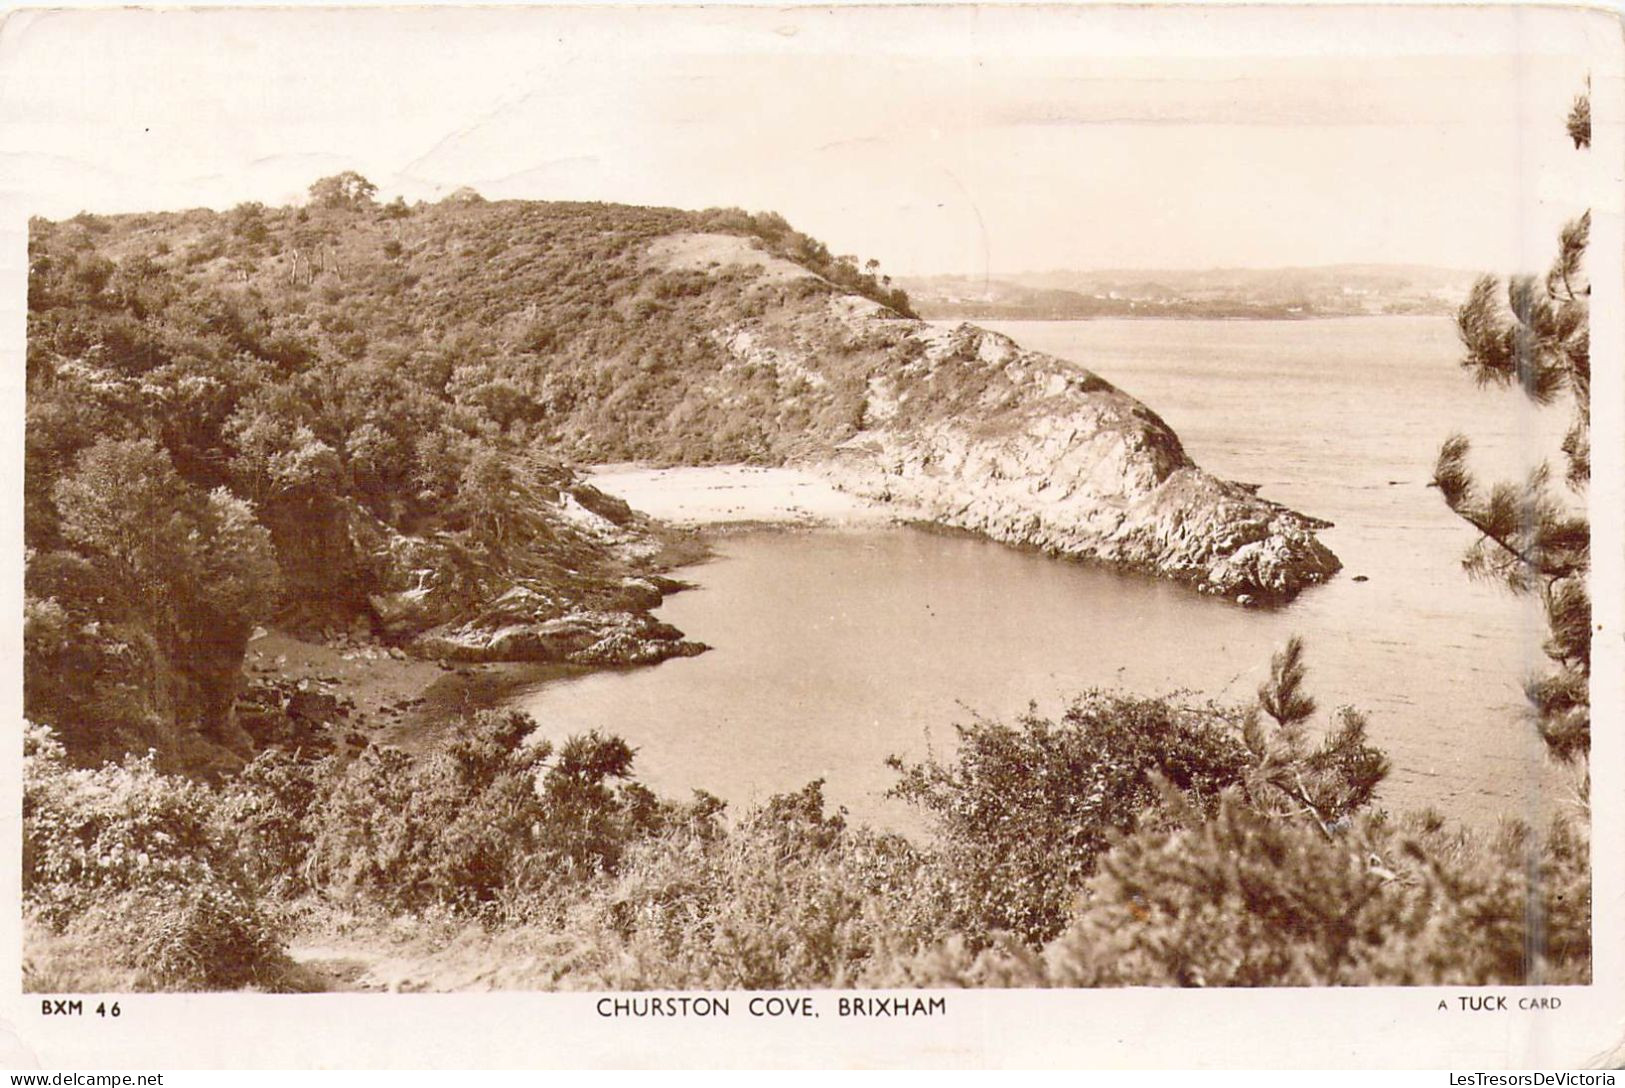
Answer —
485 823
791 897
128 870
1024 810
1242 899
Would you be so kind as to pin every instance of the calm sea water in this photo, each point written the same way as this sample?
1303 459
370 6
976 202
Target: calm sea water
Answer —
835 649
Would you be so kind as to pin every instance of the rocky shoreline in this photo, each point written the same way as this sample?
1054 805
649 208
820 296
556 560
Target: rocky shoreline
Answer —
319 697
585 600
517 627
1056 459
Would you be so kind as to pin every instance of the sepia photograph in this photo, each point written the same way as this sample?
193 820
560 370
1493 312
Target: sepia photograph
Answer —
829 514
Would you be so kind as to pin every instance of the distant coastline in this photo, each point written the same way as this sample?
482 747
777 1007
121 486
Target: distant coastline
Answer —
1239 294
949 313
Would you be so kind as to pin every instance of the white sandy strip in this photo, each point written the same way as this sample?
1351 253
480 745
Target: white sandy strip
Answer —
720 494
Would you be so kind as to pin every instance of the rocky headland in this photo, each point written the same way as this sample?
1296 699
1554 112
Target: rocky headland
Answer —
957 427
1052 457
963 428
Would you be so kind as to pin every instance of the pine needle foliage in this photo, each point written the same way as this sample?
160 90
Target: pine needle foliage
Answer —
1532 538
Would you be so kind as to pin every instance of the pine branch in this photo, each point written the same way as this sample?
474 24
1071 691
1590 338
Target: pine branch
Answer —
1524 535
1504 544
1301 793
1450 473
1523 522
1568 616
1571 247
1282 696
1531 350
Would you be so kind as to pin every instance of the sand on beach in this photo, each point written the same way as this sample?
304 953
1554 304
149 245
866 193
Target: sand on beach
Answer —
725 494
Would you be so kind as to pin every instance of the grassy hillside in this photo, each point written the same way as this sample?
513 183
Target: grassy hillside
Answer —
551 322
352 416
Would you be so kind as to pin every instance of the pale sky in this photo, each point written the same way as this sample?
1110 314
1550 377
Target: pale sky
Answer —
979 140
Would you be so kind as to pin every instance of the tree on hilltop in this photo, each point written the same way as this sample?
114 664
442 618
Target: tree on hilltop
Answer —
343 192
1532 539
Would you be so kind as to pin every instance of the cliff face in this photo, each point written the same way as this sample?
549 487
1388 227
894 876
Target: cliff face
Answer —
964 428
1052 457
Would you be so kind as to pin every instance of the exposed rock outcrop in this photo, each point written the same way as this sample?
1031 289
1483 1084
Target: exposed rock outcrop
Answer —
572 586
580 638
579 606
1048 455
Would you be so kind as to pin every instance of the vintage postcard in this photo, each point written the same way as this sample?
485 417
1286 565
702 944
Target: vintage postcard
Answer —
867 536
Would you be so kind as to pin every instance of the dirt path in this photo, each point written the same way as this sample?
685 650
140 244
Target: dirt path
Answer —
338 970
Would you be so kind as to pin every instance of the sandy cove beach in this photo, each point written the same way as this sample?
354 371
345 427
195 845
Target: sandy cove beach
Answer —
721 495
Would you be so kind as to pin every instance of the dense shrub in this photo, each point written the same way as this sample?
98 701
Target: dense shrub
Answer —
204 937
486 823
132 864
1244 899
1024 810
158 598
1134 842
88 833
791 897
267 811
381 830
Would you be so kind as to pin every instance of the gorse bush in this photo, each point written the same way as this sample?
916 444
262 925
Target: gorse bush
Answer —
1244 899
169 877
791 897
133 864
205 937
1024 810
267 810
123 827
1247 859
453 828
487 823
